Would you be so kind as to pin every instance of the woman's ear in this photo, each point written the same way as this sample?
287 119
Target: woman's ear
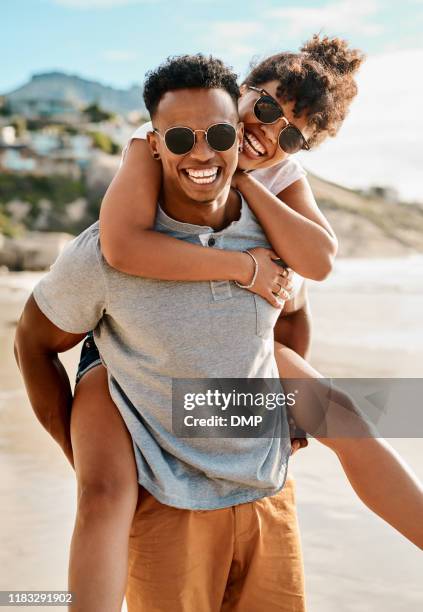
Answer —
243 89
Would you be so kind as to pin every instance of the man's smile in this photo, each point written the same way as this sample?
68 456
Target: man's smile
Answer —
202 175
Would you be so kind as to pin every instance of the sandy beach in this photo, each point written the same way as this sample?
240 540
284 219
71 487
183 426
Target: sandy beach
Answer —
367 323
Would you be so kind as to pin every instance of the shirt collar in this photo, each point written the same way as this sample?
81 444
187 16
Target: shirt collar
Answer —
190 228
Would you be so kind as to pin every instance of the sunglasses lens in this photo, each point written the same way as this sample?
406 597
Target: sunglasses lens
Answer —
179 140
221 137
267 110
291 140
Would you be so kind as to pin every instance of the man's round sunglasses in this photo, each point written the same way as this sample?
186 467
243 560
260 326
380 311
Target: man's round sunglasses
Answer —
180 140
268 110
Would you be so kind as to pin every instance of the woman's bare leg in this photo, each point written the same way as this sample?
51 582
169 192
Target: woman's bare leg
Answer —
382 480
107 495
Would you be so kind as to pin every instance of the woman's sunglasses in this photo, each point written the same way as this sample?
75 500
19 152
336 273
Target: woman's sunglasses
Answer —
181 140
267 110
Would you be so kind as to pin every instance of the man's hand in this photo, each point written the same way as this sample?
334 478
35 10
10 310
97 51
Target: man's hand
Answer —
37 344
297 443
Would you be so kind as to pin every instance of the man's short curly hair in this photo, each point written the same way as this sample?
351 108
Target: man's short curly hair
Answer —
319 79
188 72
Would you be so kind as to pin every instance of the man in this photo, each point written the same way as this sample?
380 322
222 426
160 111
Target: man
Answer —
215 528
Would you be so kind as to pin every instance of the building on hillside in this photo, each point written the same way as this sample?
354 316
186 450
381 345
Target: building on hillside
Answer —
57 110
17 158
7 135
22 159
44 141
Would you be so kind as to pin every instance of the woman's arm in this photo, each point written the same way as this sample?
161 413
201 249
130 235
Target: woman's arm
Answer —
294 225
129 243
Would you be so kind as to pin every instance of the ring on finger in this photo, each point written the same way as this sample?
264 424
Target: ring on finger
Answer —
285 284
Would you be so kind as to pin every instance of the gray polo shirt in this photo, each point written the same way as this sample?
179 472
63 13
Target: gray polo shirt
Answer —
150 331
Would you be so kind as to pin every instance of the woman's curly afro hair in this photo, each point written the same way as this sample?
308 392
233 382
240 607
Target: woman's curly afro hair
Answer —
319 79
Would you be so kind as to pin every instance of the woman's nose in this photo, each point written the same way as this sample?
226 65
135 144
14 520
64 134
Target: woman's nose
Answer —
270 132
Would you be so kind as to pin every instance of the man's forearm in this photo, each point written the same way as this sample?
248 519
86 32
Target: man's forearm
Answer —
49 391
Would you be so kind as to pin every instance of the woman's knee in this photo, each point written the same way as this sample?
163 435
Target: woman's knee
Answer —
344 423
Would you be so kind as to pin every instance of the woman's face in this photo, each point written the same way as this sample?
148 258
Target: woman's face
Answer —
260 146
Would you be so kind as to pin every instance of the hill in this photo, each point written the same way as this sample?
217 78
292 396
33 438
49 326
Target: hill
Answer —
365 226
369 226
77 92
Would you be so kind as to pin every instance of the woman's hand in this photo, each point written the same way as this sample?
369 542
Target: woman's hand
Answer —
238 178
273 282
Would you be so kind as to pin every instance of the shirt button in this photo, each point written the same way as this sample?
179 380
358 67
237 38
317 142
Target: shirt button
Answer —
212 241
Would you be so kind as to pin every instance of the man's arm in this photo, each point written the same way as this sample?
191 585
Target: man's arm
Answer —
37 344
293 328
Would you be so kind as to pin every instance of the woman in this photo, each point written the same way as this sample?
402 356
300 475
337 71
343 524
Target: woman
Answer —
288 102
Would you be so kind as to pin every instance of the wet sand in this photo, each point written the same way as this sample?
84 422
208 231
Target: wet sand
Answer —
367 322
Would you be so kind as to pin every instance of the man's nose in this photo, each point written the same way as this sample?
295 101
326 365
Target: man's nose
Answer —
201 151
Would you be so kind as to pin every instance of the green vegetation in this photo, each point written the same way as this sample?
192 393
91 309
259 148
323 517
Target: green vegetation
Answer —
5 110
71 130
57 189
96 114
20 125
104 143
38 124
8 227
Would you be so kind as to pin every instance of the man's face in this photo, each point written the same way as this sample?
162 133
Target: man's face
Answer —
197 109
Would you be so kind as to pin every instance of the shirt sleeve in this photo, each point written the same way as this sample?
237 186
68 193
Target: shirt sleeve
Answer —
140 134
73 293
289 171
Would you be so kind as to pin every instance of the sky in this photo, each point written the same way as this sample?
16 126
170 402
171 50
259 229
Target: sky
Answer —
117 41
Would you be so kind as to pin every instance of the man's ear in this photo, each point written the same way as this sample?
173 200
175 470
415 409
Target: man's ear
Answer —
243 89
152 139
240 135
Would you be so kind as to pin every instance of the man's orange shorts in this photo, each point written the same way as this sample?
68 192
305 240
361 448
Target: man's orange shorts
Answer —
244 558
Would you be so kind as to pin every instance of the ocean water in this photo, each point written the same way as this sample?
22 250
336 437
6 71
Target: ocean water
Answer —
368 307
398 274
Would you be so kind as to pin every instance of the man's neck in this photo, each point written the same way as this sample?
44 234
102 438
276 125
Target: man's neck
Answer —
217 214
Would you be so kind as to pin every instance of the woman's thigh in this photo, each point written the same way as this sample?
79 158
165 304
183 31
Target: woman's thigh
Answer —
321 408
102 445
